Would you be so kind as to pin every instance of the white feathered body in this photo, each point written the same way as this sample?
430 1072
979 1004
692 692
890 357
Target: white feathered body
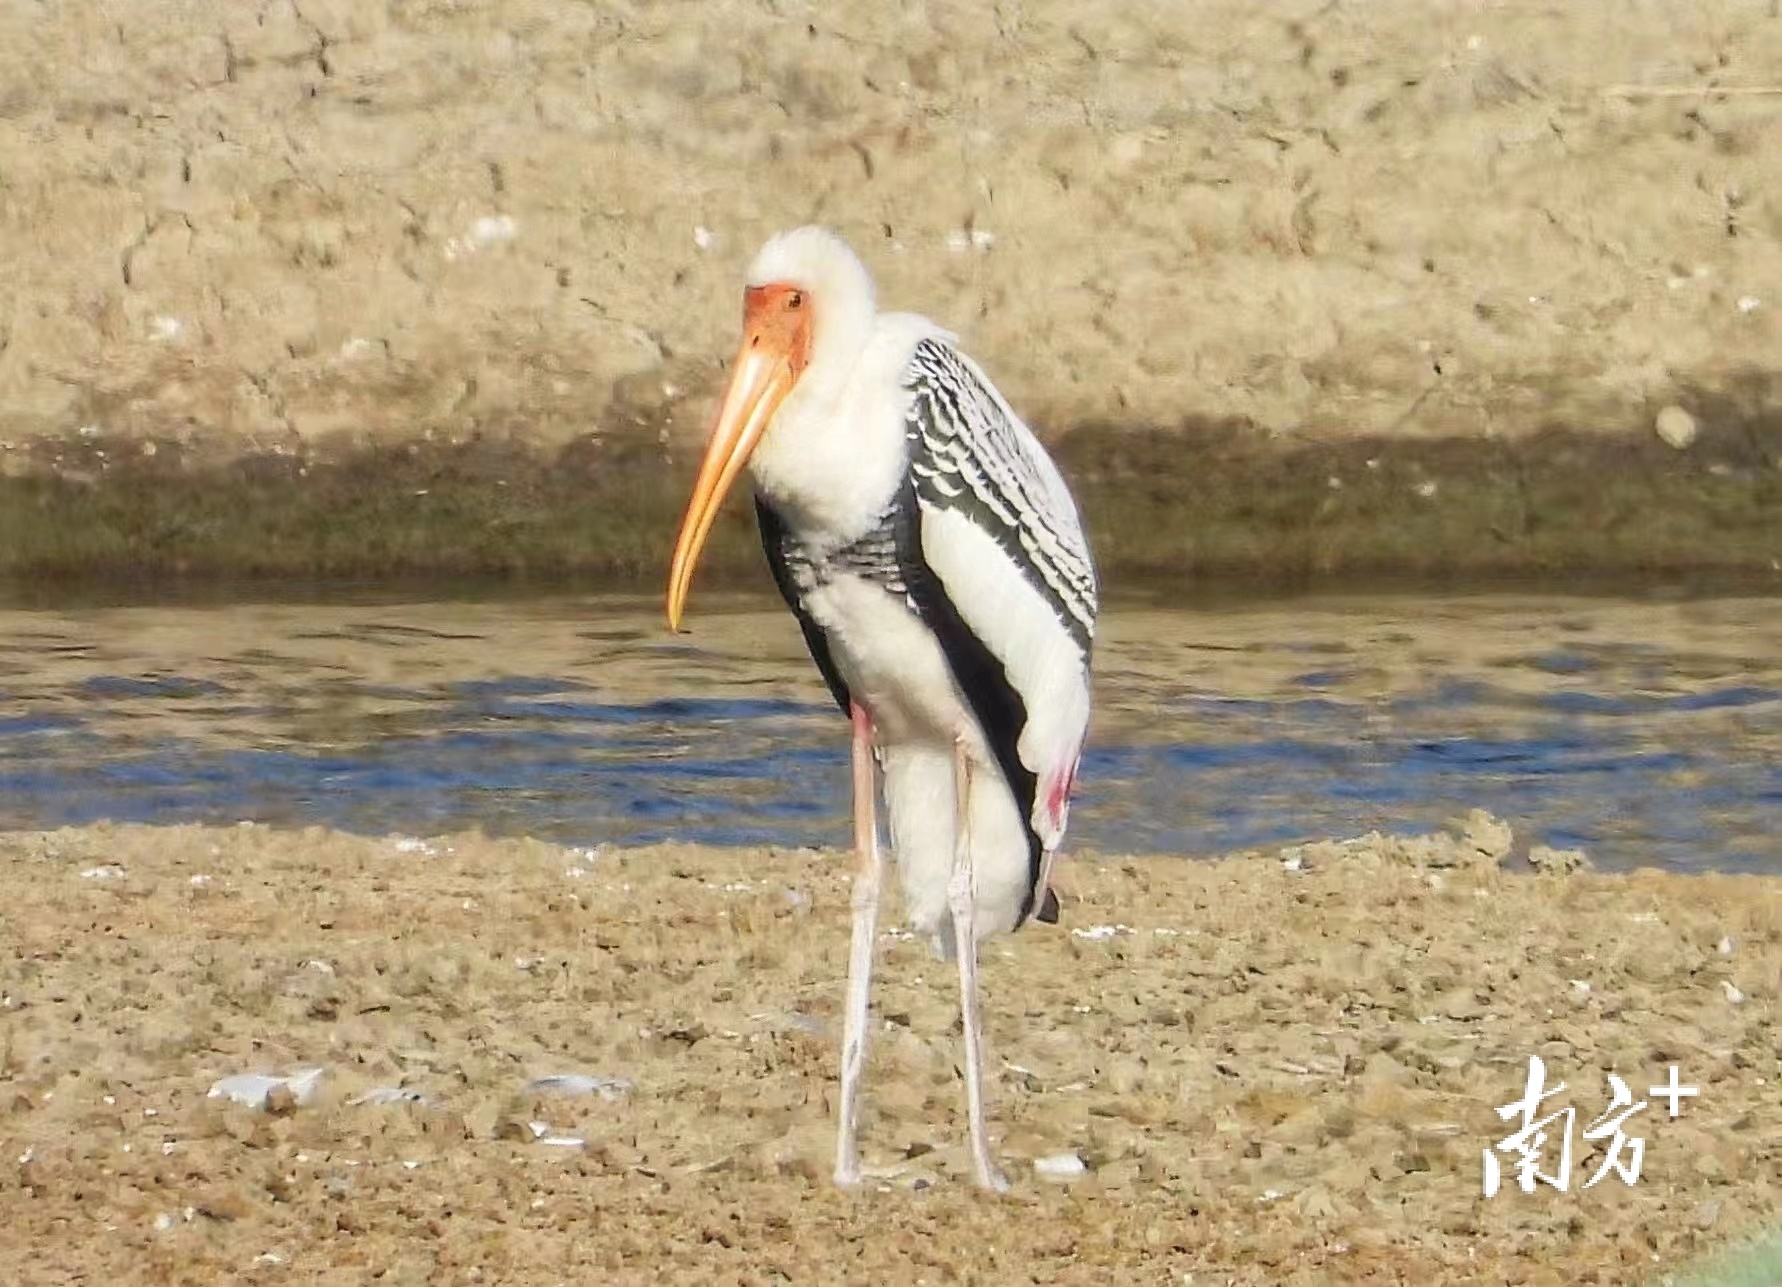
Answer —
912 438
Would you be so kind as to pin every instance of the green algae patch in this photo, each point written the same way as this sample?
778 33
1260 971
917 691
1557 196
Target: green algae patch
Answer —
468 509
1203 500
1755 1263
1213 501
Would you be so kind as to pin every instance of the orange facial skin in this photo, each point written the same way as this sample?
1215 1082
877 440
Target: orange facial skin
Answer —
775 349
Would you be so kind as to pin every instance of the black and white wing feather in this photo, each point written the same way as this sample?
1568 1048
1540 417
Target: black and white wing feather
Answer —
1005 569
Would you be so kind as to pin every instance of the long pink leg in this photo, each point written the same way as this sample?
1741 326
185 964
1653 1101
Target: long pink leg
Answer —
962 894
866 911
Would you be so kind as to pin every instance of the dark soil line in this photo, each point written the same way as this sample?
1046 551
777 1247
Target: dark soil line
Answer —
1218 503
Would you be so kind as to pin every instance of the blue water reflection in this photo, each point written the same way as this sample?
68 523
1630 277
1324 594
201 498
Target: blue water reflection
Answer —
1573 754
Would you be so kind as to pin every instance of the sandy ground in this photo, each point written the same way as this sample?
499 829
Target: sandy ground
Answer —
1275 1072
271 222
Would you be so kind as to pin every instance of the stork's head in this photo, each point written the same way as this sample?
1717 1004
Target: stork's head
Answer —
807 309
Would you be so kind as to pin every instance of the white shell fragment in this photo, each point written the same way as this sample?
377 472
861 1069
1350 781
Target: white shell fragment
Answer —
1060 1167
252 1089
493 230
608 1088
389 1095
541 1131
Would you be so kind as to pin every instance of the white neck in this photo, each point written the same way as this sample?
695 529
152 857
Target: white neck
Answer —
835 454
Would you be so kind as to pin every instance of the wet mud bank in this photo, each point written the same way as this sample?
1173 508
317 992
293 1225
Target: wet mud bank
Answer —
1202 499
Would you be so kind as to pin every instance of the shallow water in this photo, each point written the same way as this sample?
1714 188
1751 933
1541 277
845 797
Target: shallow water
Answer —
1645 732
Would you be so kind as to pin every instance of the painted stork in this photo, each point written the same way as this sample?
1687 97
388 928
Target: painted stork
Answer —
936 563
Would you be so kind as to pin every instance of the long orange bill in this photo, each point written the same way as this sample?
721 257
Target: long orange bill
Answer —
762 378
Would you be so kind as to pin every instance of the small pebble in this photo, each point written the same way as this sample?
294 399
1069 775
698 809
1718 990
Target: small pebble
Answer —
1676 426
1557 862
1463 1004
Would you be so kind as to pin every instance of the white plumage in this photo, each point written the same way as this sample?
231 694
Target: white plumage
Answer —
936 562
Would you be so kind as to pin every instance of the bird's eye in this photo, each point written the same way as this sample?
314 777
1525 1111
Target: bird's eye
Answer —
795 299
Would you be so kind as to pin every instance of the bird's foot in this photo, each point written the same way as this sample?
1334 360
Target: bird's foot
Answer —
991 1178
847 1173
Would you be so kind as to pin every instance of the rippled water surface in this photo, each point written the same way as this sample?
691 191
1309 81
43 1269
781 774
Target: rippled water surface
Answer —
1648 733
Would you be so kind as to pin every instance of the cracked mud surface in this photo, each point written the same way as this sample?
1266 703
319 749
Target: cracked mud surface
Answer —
273 222
1274 1072
328 288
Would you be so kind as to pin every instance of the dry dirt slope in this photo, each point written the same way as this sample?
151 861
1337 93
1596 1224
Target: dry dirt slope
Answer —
1273 1075
277 219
